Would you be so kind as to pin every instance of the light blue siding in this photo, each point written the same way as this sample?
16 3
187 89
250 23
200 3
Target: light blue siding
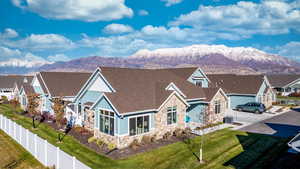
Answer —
38 89
103 104
195 112
198 73
48 105
90 96
240 99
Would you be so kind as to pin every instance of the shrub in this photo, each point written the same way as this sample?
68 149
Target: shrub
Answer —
153 138
134 144
4 99
111 146
100 143
294 94
92 139
177 132
167 135
146 139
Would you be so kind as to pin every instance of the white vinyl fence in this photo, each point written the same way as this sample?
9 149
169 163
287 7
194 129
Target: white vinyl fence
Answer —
43 151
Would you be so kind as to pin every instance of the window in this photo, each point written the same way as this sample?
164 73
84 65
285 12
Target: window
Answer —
171 115
85 113
217 107
199 83
79 109
138 125
106 122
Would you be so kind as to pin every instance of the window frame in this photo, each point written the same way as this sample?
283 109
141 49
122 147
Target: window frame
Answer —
172 112
111 119
136 121
217 106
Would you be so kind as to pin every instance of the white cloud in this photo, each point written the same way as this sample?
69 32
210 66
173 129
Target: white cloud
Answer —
244 18
6 53
117 29
58 57
8 33
84 10
143 12
171 2
40 42
290 50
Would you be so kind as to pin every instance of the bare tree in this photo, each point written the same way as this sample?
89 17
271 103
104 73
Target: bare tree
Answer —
59 110
32 106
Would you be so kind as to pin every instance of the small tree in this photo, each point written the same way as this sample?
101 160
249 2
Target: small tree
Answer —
14 103
32 107
59 110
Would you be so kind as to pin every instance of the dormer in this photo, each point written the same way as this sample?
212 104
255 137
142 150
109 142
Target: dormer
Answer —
199 78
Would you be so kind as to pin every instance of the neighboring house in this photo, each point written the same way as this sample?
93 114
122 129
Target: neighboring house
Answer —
8 84
25 91
123 104
51 85
241 89
285 84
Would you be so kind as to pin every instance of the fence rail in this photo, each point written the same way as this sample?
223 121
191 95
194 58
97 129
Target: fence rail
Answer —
46 153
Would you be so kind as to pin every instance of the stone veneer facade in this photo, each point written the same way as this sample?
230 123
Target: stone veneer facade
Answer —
215 118
160 125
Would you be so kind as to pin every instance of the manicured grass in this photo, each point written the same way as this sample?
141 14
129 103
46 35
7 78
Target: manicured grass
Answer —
11 153
222 149
288 98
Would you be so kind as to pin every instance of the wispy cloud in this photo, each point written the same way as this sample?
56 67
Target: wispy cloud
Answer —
117 28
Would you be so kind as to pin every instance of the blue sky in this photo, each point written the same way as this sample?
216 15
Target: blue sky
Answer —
36 32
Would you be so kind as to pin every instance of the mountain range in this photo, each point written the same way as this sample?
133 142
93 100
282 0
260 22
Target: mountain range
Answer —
211 58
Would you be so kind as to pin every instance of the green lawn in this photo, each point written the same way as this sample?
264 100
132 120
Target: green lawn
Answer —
11 153
288 98
222 149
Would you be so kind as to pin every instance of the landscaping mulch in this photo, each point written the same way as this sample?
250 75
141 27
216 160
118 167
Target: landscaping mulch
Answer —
83 135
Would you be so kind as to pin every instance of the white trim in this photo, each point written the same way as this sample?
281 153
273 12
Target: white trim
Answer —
220 90
196 99
128 131
45 85
180 97
199 69
229 94
103 95
291 83
176 88
137 112
85 86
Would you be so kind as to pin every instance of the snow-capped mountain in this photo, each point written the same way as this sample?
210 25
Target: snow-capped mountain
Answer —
238 54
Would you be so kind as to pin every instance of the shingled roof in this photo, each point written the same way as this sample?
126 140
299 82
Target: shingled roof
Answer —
8 81
144 89
28 89
280 80
237 84
62 83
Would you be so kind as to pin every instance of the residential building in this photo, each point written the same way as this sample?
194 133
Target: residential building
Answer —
285 84
8 84
49 85
123 104
241 89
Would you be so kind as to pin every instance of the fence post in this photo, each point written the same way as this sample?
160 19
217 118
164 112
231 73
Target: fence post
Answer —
15 133
20 135
27 139
57 157
8 131
35 146
74 159
1 122
46 150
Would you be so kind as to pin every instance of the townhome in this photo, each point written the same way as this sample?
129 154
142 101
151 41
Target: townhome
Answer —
49 85
25 91
285 84
241 89
121 104
9 85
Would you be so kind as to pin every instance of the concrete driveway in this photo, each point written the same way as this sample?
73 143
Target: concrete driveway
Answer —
284 125
247 117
